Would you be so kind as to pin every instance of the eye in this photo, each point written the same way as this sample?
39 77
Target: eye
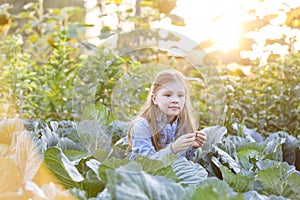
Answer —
167 95
181 95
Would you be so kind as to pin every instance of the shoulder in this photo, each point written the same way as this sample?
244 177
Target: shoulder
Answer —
141 121
140 127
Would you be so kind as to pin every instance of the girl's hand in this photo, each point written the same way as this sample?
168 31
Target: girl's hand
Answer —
183 142
200 139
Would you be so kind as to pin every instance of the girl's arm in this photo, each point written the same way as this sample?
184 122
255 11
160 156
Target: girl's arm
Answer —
141 141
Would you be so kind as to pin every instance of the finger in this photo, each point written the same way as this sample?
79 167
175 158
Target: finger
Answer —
184 147
189 135
200 133
199 143
202 139
202 136
196 144
188 143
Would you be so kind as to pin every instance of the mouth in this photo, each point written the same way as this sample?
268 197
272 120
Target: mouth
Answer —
173 107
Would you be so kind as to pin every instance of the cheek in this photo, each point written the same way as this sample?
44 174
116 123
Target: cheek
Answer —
182 101
162 101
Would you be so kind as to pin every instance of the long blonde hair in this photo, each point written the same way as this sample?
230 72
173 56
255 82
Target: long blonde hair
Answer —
153 115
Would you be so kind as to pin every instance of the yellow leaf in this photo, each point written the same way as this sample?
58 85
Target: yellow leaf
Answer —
10 179
9 127
4 150
44 176
53 192
27 157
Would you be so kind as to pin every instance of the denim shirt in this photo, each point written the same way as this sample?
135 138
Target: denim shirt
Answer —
142 144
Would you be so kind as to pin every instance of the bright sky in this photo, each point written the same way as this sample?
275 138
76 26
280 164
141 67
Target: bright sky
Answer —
198 15
225 31
227 16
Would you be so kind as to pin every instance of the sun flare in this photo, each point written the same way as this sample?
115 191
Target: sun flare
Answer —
225 35
215 20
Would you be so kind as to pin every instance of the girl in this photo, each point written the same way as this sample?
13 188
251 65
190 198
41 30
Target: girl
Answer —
165 124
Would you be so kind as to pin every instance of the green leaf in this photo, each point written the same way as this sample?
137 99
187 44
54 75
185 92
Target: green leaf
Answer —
157 167
239 182
92 136
74 155
71 169
274 147
225 159
92 183
294 184
94 164
63 170
288 147
214 136
213 188
189 172
67 144
96 112
101 155
279 180
130 182
111 163
247 152
149 165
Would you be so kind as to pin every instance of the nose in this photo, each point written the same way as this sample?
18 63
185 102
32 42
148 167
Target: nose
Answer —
175 99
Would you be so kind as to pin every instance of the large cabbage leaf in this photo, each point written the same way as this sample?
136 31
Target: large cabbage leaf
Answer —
214 136
130 182
62 168
213 188
189 172
93 137
279 179
249 153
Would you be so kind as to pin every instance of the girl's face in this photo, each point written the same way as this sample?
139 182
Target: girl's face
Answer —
170 99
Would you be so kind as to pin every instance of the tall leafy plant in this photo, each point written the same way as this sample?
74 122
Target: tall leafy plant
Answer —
269 99
40 57
16 79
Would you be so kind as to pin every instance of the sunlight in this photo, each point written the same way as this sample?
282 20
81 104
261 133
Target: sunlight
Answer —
217 21
213 20
226 35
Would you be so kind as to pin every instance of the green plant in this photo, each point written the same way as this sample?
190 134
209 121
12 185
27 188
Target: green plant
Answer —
39 62
17 81
269 99
230 167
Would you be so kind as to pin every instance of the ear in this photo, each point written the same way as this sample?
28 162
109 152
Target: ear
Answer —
153 98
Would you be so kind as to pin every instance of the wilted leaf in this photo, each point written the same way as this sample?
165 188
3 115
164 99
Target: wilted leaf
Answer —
27 157
10 178
49 191
9 127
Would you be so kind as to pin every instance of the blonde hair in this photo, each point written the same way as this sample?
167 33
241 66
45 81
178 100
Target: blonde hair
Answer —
153 115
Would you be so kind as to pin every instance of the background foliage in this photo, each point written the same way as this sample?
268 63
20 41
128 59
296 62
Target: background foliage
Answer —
53 83
40 61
